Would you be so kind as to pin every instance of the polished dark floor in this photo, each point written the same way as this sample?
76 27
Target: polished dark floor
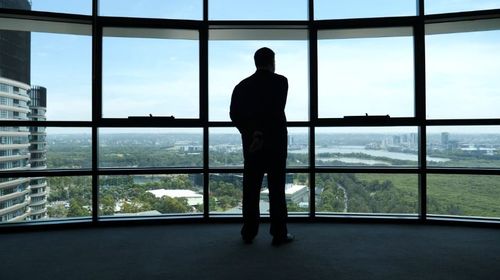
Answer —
215 251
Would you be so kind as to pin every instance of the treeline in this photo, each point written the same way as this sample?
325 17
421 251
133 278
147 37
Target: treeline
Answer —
363 196
462 195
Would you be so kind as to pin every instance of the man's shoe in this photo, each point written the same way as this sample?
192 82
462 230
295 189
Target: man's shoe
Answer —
247 240
277 241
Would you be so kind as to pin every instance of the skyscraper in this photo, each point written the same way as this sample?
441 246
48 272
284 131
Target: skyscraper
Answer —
21 148
14 153
37 149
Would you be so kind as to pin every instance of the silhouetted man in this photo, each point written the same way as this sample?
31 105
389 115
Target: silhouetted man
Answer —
258 111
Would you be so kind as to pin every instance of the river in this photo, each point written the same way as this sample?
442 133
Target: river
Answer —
361 149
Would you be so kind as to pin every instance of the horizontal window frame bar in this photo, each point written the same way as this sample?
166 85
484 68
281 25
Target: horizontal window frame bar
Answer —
46 16
228 170
258 24
190 123
461 16
148 171
81 223
461 122
339 122
376 23
319 24
150 122
462 170
463 219
378 169
47 173
11 123
46 26
133 22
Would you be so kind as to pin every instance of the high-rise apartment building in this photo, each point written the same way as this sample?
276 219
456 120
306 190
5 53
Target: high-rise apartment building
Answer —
14 150
37 149
21 148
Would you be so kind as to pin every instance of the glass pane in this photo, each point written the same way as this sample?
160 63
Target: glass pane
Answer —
296 193
447 6
59 6
461 72
463 195
339 9
361 75
150 147
226 193
150 195
463 146
45 198
51 72
258 9
143 76
35 148
68 197
172 9
225 148
298 147
67 147
364 146
367 193
232 61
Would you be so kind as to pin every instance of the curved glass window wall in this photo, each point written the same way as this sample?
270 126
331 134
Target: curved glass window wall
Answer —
119 110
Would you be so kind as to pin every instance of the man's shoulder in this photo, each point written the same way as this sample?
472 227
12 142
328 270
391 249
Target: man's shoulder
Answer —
281 78
256 79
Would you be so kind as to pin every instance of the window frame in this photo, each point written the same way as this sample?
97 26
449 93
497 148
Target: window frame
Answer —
95 24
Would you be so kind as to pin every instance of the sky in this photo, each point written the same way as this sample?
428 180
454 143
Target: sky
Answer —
356 76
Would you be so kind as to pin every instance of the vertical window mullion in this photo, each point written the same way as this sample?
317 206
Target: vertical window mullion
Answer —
313 106
96 105
420 105
204 113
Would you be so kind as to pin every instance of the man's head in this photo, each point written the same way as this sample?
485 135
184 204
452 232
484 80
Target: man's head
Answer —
264 59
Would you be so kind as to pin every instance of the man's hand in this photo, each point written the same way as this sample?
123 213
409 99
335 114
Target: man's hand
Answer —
257 141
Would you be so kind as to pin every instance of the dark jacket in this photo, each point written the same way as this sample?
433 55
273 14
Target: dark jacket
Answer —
258 104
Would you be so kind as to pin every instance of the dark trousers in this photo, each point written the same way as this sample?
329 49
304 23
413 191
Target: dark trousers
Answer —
271 159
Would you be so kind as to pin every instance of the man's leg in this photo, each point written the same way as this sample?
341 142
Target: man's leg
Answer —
252 181
276 180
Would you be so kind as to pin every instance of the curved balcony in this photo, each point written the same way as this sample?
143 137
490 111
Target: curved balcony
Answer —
38 151
32 159
38 142
38 212
40 194
15 182
14 96
15 109
38 133
22 217
37 115
20 168
15 207
14 146
38 203
14 195
39 167
13 158
14 133
39 185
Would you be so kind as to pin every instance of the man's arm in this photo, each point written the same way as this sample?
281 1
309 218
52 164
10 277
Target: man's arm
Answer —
238 111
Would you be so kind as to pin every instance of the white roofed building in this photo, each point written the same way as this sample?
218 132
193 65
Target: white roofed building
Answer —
294 193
